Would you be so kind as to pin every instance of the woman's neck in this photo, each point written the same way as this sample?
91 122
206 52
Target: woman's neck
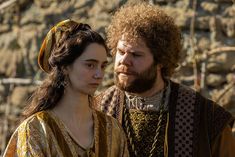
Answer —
75 111
74 105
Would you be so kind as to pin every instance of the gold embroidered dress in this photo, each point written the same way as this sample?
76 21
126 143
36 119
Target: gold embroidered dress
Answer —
44 134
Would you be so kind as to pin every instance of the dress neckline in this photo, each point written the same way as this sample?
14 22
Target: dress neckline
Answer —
63 126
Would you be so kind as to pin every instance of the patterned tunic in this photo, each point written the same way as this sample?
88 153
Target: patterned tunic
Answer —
197 126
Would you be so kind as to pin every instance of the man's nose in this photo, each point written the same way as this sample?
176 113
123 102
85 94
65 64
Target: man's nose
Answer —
126 59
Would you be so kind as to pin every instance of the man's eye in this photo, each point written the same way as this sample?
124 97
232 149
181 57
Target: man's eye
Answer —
135 55
120 52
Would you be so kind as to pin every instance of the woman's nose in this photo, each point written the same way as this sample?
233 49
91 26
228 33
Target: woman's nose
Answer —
99 74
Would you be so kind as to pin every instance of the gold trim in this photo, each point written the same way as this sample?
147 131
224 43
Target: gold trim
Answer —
166 137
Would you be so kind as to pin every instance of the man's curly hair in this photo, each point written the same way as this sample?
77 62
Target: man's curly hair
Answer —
150 24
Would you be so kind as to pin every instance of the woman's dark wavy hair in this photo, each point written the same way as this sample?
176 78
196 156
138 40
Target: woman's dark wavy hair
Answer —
71 45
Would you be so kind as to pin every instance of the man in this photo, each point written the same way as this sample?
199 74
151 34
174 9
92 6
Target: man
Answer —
160 117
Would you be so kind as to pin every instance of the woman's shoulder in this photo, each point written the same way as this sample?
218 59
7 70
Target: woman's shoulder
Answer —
31 131
110 127
35 121
108 120
104 116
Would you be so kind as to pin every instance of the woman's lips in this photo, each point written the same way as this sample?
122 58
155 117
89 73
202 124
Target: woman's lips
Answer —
95 85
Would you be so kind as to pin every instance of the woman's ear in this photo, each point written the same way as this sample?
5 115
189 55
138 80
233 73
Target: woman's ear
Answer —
65 70
159 67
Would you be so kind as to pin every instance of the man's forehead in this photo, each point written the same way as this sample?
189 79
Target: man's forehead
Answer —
130 44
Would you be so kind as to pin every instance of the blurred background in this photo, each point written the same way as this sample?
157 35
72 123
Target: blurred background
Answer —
208 37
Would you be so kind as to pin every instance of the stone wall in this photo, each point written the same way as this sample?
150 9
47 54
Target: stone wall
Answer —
208 32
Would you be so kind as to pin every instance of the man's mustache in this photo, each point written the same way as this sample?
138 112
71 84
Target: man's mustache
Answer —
125 70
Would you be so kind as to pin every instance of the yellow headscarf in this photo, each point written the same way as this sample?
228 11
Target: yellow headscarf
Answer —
50 40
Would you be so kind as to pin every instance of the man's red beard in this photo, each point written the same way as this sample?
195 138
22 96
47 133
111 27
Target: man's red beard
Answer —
143 81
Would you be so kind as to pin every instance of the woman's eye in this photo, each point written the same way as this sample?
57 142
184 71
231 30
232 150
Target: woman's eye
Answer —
104 66
89 65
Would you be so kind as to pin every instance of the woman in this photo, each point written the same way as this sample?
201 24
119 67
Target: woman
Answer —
60 120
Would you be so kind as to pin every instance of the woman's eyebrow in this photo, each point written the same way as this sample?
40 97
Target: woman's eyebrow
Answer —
94 60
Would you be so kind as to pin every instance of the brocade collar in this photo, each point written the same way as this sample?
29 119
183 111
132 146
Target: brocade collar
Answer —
148 103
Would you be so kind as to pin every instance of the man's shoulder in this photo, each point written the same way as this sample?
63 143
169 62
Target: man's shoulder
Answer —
109 92
184 90
106 97
206 104
200 99
182 87
206 110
